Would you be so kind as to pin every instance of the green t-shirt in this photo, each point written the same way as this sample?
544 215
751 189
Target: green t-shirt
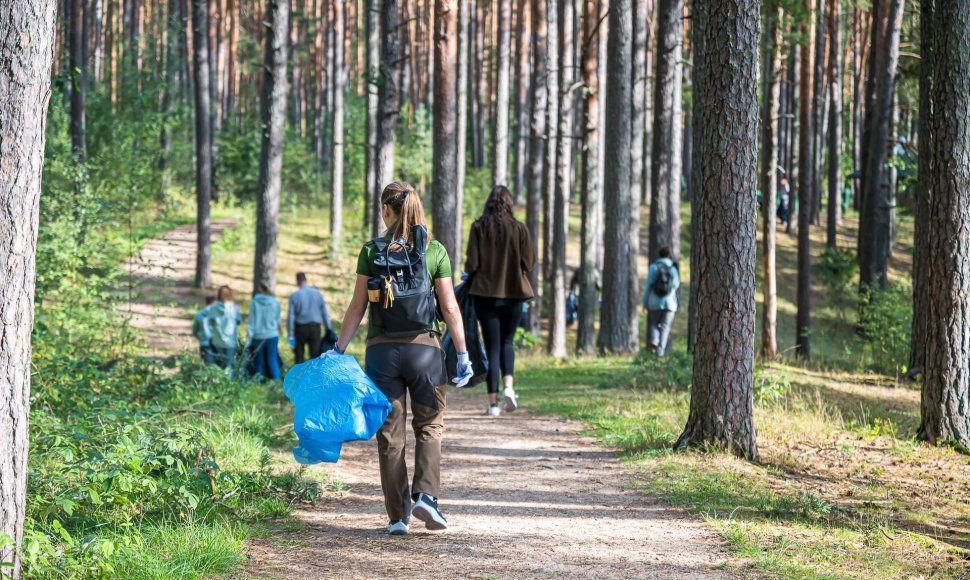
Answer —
439 266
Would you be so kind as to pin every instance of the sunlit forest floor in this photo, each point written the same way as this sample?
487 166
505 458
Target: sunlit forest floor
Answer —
842 489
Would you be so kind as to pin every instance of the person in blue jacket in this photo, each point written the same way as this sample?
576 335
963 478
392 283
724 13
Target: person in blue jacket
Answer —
222 322
660 300
201 333
263 333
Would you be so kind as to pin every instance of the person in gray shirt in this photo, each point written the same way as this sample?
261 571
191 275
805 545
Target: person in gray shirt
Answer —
307 312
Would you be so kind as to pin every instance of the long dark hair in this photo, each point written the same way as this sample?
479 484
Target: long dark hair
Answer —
498 207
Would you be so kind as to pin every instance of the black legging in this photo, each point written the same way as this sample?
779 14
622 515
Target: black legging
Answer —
499 319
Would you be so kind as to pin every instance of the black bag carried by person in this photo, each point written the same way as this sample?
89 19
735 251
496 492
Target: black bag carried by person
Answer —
405 304
473 339
663 284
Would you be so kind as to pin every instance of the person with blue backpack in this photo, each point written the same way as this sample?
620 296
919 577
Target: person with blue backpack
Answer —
660 300
263 333
403 277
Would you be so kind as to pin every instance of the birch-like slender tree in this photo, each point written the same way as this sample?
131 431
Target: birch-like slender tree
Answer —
771 89
500 143
539 143
806 185
337 120
372 190
388 109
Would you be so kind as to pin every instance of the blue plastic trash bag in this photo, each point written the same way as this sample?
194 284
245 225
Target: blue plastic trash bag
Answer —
334 402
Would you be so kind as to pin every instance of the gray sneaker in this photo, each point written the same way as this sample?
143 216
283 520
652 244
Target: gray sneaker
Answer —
397 528
426 509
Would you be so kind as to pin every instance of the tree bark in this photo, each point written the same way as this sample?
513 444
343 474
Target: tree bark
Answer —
769 179
523 71
25 90
388 94
203 143
806 185
478 84
722 390
638 115
874 224
552 127
590 233
78 76
819 103
337 151
564 183
667 132
696 207
500 176
539 143
444 206
835 124
372 192
619 269
922 222
461 127
944 179
273 116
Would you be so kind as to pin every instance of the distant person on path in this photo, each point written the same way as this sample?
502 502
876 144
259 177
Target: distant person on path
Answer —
263 333
660 300
201 332
499 258
222 322
307 312
784 199
395 274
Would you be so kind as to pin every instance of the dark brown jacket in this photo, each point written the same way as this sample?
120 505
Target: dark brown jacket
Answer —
501 266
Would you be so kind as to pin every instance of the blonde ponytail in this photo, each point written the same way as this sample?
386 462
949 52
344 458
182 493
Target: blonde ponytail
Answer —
406 204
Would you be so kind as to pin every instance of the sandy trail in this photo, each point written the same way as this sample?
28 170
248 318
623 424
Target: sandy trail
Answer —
526 496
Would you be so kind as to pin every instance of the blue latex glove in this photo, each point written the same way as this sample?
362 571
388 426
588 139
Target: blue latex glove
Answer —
292 342
463 373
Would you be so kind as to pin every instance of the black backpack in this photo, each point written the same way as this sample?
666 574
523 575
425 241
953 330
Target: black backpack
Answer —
663 284
405 303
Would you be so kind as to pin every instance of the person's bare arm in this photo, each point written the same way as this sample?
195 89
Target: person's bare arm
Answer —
451 312
355 314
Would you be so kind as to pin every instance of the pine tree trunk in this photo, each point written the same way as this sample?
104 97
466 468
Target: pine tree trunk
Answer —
696 205
667 132
461 127
372 191
944 180
922 222
25 90
818 110
170 93
641 36
444 206
337 151
203 143
523 51
722 390
478 82
857 105
564 183
552 144
539 143
500 176
620 265
875 222
388 93
78 77
590 233
806 185
273 123
835 124
769 180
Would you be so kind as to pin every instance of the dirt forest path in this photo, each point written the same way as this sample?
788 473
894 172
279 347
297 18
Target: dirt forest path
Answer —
526 496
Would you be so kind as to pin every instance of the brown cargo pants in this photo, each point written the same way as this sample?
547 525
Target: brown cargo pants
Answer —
400 369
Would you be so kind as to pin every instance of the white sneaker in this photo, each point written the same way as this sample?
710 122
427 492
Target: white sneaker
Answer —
397 528
511 401
493 411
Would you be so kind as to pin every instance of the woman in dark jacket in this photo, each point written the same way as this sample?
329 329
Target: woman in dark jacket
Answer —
500 257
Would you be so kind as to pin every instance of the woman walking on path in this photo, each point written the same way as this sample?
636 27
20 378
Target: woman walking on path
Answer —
500 257
222 321
263 333
395 274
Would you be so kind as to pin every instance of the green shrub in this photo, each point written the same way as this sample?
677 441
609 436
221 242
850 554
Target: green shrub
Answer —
674 371
769 384
886 324
836 270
